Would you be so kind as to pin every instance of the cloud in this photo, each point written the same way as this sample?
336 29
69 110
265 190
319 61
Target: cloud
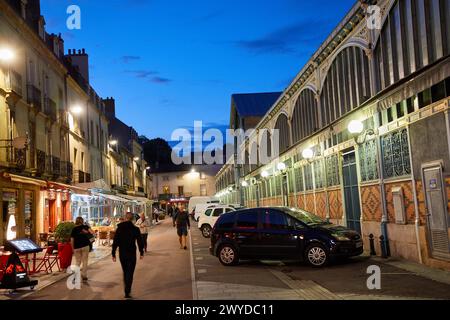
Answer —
160 80
287 40
128 59
143 74
150 75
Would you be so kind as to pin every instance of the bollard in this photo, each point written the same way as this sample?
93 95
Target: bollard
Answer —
372 245
383 248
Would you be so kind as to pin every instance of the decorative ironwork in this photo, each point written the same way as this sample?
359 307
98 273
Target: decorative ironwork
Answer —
50 108
15 82
34 96
396 162
332 169
20 157
368 161
40 165
319 174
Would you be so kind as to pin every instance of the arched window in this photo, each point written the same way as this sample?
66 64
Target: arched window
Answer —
283 126
346 86
304 117
414 35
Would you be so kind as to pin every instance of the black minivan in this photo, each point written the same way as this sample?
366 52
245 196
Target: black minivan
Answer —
281 233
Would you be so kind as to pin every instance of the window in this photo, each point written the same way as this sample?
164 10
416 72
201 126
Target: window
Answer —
217 212
179 177
308 177
228 210
299 179
203 191
438 91
180 190
208 212
332 167
274 220
318 174
226 221
425 98
247 220
368 161
395 151
165 178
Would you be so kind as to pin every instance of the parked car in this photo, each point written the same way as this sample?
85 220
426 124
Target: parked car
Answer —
195 202
281 233
208 219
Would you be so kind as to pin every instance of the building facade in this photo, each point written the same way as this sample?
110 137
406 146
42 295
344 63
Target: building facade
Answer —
54 133
364 132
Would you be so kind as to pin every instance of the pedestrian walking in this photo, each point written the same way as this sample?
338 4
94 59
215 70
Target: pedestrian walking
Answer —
80 236
170 211
144 227
156 214
181 221
126 237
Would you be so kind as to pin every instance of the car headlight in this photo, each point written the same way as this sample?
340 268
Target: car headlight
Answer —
340 237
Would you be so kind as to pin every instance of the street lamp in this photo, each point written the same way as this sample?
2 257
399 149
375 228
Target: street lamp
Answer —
356 129
6 55
264 174
281 166
308 154
244 184
137 158
76 109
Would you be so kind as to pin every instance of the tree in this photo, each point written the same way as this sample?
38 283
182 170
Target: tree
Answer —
157 152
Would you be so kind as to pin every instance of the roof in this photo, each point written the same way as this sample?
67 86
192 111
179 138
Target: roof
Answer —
254 104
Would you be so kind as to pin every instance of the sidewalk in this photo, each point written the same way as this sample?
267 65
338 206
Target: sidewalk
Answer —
418 269
45 280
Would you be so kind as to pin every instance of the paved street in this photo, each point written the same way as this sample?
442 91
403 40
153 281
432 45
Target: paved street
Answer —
166 273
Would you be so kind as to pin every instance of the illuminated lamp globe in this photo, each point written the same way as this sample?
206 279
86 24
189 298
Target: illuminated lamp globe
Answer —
355 127
308 154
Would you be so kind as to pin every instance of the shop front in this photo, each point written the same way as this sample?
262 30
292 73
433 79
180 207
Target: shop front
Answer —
19 203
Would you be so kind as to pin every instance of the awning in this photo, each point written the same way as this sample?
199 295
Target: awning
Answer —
74 189
98 185
109 196
26 180
138 199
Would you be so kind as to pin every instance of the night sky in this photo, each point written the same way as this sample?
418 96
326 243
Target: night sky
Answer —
169 63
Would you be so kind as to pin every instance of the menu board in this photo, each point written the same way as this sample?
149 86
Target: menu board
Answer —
25 246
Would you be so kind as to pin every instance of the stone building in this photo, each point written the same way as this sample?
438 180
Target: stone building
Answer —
364 132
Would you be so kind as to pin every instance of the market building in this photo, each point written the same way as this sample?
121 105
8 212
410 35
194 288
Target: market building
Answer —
364 133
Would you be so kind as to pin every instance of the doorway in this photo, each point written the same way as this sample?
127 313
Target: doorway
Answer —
351 191
437 215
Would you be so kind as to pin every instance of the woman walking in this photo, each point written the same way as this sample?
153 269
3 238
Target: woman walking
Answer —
80 245
143 226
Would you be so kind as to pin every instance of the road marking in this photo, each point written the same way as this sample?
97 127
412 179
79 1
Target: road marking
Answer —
202 271
194 283
199 258
197 250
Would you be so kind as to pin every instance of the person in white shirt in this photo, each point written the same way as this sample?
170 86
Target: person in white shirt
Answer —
143 226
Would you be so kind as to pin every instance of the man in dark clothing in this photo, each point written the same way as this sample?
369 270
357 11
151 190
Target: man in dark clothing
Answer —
181 220
127 234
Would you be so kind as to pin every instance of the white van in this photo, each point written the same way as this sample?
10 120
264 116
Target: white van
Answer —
201 200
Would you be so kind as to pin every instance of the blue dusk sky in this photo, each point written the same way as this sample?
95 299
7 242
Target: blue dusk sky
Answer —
170 63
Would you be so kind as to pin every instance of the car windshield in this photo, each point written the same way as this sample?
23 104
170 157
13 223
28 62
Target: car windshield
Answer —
305 217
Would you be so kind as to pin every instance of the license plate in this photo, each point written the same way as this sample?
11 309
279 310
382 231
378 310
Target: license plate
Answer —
359 244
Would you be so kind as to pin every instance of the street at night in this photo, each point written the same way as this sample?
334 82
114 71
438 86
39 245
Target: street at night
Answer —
212 159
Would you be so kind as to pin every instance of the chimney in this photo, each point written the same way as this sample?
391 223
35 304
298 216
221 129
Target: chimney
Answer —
110 107
80 60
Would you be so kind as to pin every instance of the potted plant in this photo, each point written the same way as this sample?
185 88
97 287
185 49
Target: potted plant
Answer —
62 237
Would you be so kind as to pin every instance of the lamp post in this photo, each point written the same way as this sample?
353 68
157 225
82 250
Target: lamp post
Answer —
356 129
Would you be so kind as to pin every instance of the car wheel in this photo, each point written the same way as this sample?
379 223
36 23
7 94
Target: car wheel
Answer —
206 230
316 255
228 255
